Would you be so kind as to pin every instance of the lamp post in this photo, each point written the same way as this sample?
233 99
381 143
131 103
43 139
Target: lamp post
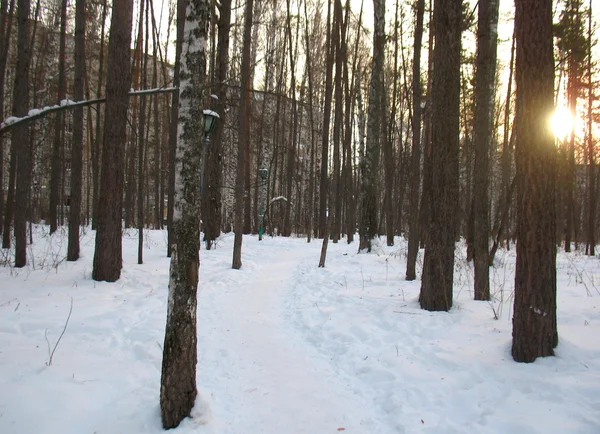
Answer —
210 121
263 174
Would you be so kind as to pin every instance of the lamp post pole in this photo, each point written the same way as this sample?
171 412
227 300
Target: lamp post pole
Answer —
263 174
210 121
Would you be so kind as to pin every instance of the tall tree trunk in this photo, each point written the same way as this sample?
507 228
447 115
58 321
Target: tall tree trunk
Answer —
5 32
58 144
181 14
212 196
178 380
142 141
485 75
415 162
534 319
291 151
20 133
108 253
349 116
311 175
243 137
335 203
370 166
324 181
438 265
97 147
591 187
504 200
77 143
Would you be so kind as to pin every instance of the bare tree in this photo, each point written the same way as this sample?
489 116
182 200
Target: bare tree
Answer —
58 144
243 137
20 135
415 163
534 321
178 381
77 143
181 13
438 265
375 135
108 253
485 75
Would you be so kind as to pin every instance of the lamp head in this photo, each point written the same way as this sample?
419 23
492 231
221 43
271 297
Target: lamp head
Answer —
210 121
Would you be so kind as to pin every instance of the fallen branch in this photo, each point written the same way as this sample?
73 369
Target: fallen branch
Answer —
51 354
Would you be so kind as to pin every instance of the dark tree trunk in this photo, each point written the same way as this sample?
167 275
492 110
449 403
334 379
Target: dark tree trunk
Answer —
291 151
77 143
243 137
108 252
142 141
178 381
181 11
311 175
324 181
485 75
368 227
212 196
97 146
438 265
534 321
415 162
58 144
5 32
335 203
591 222
20 135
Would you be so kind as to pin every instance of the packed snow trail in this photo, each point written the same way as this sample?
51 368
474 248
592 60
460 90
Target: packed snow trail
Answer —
269 381
288 348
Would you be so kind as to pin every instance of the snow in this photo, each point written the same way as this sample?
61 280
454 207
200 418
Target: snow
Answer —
208 112
286 347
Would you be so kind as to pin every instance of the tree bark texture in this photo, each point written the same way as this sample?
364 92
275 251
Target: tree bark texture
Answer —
534 321
370 167
20 136
108 252
77 142
5 31
438 265
324 180
181 11
485 75
178 381
212 195
243 138
415 158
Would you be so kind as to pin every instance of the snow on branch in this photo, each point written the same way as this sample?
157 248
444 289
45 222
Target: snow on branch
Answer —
67 104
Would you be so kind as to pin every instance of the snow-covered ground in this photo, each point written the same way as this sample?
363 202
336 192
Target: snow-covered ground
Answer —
286 347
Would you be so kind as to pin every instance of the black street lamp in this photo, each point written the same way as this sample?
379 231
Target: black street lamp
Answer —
210 121
263 174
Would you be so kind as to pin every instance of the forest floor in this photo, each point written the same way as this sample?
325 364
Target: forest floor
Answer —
286 347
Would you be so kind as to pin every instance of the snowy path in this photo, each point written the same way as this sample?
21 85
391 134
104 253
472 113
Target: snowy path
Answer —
285 347
270 381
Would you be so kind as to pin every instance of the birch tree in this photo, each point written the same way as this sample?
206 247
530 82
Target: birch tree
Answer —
178 380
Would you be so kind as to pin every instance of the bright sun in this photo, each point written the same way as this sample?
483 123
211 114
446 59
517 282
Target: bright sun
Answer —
561 122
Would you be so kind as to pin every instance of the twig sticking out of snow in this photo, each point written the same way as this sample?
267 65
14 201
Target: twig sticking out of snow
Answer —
51 354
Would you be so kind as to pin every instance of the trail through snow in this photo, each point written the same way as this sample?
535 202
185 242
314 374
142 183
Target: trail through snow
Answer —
285 347
272 382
